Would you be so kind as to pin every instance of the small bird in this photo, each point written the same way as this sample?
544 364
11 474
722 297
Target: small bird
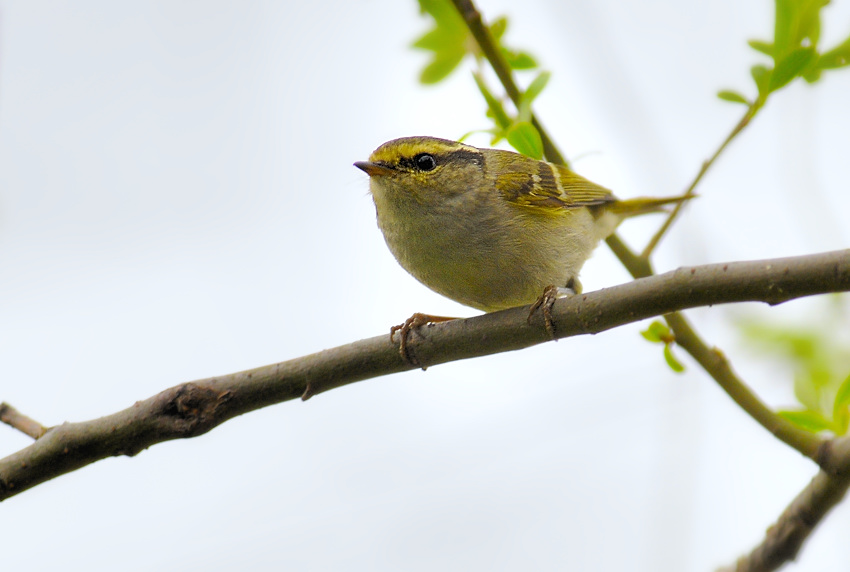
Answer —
488 228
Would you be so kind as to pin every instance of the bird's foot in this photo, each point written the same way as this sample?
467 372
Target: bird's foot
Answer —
413 322
546 300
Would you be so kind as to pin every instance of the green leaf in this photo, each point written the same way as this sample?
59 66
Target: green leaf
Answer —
761 75
525 138
671 360
783 29
468 134
530 94
812 73
842 397
790 67
809 420
440 67
494 107
498 27
807 393
657 332
650 336
837 57
808 22
841 421
447 39
733 96
536 87
519 60
763 47
797 25
435 40
841 408
444 13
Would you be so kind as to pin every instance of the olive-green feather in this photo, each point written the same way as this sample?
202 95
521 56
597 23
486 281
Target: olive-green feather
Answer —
644 205
526 182
578 190
529 183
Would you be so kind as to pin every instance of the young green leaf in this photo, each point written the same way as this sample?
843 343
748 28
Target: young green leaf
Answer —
733 96
657 332
841 421
448 40
808 26
797 25
809 420
525 138
842 397
841 408
498 27
530 94
536 87
812 73
837 57
806 391
650 336
671 360
783 29
763 47
519 60
761 75
433 40
790 67
440 67
494 106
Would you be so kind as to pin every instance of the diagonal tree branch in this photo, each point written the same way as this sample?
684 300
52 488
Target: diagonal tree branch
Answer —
194 408
785 538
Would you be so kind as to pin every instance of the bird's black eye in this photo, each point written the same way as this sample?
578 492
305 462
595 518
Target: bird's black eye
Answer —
425 162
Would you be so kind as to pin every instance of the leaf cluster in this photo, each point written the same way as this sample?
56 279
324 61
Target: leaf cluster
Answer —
450 42
794 51
659 333
821 364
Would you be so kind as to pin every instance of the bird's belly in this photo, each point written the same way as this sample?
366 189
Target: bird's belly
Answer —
490 267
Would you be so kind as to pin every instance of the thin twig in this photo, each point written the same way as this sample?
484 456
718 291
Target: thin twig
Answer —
26 425
745 120
194 408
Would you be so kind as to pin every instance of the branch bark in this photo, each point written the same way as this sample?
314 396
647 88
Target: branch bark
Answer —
194 408
785 538
14 418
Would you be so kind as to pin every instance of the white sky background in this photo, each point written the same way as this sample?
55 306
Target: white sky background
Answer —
177 201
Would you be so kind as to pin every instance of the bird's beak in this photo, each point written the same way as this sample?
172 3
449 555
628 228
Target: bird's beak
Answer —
373 169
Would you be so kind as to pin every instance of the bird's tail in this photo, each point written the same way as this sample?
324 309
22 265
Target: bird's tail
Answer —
644 205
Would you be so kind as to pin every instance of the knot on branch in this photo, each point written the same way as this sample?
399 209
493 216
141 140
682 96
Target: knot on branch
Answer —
834 457
191 409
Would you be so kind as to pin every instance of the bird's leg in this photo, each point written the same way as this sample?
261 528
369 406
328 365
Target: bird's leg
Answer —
409 324
547 300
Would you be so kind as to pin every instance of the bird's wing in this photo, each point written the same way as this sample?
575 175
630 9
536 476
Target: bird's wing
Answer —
546 185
